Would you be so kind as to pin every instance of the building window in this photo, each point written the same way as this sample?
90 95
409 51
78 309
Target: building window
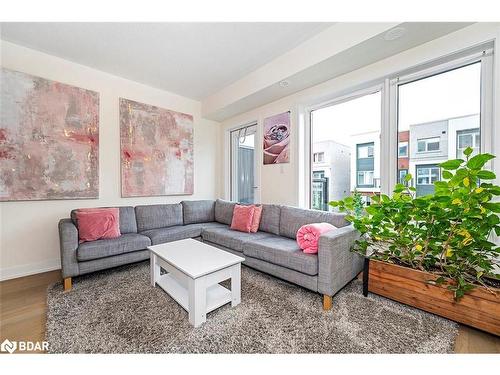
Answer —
319 174
402 175
365 178
365 151
403 149
365 165
428 144
319 157
468 138
427 174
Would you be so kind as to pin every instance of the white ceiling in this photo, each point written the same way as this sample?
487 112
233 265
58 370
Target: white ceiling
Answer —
191 59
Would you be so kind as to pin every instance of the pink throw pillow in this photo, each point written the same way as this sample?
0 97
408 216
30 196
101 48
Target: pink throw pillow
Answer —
257 213
242 218
98 223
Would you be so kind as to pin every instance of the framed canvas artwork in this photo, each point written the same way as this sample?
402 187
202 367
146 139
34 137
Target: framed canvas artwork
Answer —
49 139
277 139
156 150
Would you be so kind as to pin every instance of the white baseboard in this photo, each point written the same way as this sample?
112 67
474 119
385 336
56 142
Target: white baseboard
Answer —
29 269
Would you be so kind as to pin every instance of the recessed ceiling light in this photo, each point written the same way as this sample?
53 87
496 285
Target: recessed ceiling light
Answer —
284 83
395 33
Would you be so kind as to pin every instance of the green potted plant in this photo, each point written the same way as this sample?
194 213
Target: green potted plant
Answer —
435 252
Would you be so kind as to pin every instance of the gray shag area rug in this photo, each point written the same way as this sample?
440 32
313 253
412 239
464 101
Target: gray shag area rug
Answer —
118 311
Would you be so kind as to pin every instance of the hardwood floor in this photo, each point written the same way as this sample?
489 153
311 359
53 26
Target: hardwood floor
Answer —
23 315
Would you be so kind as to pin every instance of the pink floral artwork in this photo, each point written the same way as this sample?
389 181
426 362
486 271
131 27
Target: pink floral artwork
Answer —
49 139
277 139
156 150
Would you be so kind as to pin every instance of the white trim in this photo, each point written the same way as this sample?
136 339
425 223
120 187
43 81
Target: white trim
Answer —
29 269
441 67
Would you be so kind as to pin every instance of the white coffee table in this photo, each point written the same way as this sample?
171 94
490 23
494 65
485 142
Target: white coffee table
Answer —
194 271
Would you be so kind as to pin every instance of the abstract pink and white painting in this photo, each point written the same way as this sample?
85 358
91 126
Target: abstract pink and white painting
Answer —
156 150
277 139
49 139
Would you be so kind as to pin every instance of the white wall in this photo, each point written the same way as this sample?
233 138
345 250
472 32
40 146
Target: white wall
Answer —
28 230
286 183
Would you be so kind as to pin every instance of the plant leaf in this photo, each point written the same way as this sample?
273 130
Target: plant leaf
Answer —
478 161
451 164
468 151
495 207
486 175
446 175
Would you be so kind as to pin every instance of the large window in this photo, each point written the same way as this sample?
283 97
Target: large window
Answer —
345 136
435 113
440 116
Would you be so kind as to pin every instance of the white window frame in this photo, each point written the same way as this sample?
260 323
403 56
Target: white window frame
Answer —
365 175
366 146
427 175
403 144
472 132
426 142
401 179
316 157
485 57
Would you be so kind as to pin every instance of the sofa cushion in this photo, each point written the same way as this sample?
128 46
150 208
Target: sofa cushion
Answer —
283 252
232 239
257 215
243 218
293 218
158 216
270 219
198 211
128 223
224 211
126 243
181 232
98 223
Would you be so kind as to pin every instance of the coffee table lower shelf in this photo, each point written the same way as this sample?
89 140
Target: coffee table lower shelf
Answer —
217 295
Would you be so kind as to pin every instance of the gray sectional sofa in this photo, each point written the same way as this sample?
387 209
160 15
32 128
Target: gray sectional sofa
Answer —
273 249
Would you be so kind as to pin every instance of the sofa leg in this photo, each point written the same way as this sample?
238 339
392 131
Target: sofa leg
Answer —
67 284
327 302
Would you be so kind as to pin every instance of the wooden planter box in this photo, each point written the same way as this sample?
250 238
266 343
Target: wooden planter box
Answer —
478 308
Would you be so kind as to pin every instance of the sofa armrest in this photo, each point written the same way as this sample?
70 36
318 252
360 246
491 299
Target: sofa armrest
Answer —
68 243
338 265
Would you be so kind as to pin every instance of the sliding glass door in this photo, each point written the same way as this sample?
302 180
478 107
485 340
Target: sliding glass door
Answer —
243 164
